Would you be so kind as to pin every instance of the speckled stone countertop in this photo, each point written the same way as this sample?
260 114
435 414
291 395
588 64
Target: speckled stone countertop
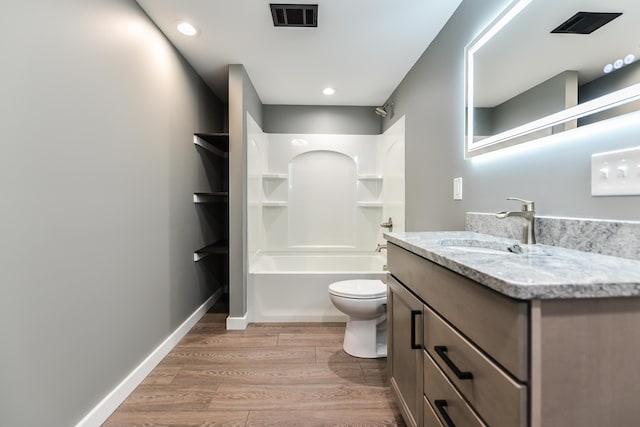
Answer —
538 272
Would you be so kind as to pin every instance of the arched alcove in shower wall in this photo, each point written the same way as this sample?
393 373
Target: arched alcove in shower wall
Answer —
315 184
322 201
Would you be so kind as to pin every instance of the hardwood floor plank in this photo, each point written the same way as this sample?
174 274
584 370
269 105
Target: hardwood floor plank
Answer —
327 340
365 417
217 318
308 397
162 374
169 397
174 419
376 376
334 354
281 374
214 341
295 328
301 373
242 356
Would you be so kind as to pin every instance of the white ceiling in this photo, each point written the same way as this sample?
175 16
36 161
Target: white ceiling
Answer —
361 48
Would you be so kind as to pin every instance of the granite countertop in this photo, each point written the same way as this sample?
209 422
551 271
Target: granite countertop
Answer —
538 272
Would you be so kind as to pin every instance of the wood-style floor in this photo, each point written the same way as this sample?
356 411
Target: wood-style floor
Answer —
270 374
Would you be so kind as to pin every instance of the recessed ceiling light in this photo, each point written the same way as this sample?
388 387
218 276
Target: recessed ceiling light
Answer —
629 58
328 91
187 29
608 68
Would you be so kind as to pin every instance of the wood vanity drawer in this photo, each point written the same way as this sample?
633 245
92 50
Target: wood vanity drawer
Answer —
494 322
438 391
498 399
430 417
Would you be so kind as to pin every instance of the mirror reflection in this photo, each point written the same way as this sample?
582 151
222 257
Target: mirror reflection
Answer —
526 73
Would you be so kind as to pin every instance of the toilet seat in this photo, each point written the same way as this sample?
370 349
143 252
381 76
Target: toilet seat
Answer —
359 289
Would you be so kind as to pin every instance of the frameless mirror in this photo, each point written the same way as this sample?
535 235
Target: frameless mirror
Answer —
525 81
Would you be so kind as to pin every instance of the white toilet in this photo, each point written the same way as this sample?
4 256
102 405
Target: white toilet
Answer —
365 302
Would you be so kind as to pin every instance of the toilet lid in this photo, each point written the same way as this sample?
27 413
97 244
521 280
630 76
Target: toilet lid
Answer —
360 289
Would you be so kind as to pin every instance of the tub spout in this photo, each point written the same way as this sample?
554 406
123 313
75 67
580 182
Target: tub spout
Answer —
380 247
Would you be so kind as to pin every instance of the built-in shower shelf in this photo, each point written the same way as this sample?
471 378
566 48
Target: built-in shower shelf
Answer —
369 204
220 247
215 143
275 176
215 197
275 204
369 177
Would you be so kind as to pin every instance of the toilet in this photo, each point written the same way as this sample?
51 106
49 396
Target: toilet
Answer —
365 302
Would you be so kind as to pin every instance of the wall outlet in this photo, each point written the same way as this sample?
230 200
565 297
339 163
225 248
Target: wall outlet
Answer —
616 173
457 188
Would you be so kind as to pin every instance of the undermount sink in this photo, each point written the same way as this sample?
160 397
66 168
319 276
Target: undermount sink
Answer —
482 246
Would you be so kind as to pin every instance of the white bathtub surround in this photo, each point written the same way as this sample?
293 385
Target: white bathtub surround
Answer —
315 205
292 287
607 237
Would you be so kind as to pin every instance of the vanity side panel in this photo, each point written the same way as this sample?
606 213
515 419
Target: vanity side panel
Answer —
494 322
589 355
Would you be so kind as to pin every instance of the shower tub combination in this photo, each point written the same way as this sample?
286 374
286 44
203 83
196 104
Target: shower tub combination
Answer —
293 287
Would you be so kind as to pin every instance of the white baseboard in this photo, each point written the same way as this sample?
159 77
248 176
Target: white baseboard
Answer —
238 323
110 403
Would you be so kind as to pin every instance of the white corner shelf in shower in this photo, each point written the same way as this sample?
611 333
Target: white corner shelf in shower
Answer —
214 197
369 177
275 204
275 176
369 204
220 247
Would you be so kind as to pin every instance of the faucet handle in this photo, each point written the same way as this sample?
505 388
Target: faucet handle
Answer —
527 205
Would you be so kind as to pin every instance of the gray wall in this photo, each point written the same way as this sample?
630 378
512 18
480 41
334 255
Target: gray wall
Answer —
98 227
550 96
619 79
556 177
243 99
321 119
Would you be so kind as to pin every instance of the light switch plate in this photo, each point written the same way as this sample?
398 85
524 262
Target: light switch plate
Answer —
457 188
616 173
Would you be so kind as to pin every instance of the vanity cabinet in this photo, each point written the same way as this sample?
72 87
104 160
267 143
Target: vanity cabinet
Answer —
488 359
404 348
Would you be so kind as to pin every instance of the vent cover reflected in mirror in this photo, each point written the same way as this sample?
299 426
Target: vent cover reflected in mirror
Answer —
585 22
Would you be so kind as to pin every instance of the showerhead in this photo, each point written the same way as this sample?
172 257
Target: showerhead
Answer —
385 109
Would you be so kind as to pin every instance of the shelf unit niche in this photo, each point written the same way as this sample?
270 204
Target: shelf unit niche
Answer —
373 182
212 206
270 181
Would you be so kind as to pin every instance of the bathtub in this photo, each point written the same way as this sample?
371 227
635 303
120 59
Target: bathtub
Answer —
293 287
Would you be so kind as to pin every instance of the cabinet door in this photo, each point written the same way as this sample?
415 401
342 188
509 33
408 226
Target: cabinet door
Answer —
404 317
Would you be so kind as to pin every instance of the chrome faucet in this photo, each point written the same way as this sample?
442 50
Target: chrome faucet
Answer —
527 212
380 247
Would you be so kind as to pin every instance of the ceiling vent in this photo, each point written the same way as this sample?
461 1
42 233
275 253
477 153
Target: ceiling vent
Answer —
294 15
585 22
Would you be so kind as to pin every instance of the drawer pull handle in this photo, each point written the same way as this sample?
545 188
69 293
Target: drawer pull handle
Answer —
442 352
441 406
414 346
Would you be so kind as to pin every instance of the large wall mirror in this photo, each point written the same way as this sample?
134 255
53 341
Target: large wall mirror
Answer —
525 81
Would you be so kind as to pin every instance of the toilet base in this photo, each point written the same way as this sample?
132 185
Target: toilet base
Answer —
366 338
